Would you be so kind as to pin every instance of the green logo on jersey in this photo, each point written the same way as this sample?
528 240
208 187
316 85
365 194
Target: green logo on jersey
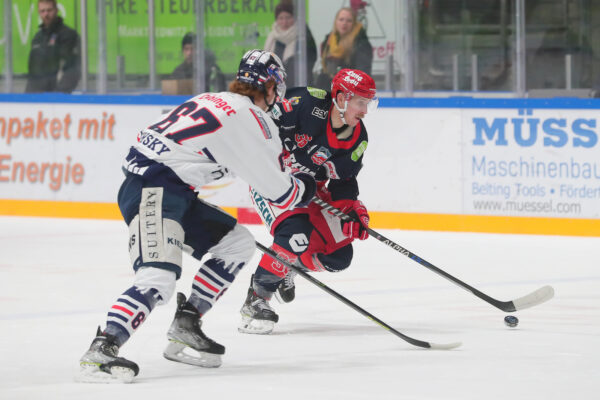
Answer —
318 93
359 151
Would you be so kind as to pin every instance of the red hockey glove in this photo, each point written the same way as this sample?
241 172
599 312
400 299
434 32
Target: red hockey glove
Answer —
357 227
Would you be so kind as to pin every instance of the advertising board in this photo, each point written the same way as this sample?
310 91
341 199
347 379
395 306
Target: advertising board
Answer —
526 167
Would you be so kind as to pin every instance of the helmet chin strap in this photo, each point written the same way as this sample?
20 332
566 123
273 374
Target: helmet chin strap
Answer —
270 106
342 111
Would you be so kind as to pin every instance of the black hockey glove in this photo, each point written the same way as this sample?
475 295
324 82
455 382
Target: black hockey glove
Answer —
310 187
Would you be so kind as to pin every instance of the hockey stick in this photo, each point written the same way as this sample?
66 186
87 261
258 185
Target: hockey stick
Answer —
321 285
534 298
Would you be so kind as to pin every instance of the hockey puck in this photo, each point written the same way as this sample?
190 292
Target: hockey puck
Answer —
511 321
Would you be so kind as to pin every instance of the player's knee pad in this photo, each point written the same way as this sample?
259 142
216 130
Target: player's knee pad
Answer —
337 261
162 280
156 242
237 246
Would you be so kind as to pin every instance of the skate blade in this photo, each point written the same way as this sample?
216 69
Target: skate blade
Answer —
182 353
256 326
91 373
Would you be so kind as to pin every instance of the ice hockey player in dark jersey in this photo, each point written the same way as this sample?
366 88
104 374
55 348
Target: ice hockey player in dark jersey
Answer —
323 135
207 137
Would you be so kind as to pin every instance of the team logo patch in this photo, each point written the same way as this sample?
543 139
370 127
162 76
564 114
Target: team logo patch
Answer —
246 78
331 171
287 106
298 242
302 139
353 78
359 151
319 113
320 156
318 93
275 112
289 103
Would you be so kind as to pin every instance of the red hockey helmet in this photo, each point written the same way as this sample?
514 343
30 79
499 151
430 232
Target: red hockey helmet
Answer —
353 82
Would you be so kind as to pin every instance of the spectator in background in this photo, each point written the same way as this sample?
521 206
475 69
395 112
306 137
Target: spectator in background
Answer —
54 60
346 46
214 77
283 41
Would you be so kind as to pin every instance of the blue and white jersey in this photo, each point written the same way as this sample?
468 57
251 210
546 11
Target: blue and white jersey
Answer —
211 136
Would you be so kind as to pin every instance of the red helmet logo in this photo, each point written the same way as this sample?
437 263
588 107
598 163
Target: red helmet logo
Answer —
353 82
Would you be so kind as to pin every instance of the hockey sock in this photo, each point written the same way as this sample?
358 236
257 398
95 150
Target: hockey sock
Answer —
129 311
271 272
211 281
265 282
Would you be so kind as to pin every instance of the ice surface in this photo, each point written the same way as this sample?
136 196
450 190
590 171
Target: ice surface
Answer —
58 277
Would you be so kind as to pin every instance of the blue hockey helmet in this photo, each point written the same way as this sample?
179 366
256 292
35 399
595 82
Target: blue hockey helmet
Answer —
258 66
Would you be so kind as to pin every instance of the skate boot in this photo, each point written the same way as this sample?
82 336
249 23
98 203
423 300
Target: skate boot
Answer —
257 315
286 291
187 343
102 364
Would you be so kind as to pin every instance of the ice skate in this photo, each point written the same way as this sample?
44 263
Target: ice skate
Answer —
187 343
102 364
257 315
286 291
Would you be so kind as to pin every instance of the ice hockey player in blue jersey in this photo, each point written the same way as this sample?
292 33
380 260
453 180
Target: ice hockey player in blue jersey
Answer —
202 140
324 136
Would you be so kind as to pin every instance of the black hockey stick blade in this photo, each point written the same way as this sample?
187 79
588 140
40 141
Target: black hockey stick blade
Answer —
534 298
355 307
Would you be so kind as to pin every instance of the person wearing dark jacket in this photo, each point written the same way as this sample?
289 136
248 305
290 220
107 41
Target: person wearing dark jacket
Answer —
346 46
54 60
214 77
283 41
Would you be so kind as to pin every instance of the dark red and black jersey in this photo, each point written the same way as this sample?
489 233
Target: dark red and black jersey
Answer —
313 145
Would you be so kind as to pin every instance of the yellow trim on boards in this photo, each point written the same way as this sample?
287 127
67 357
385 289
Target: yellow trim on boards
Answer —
59 209
67 209
379 219
486 224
